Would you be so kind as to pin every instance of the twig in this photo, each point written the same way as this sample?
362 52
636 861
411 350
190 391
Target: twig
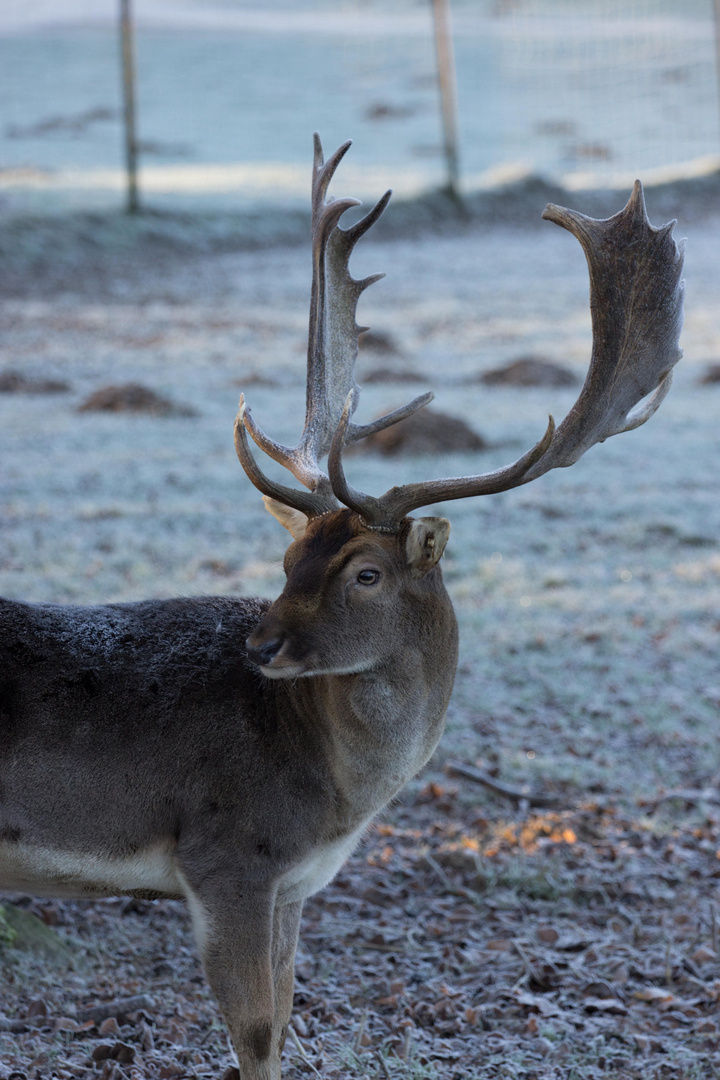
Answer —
361 946
469 772
467 894
96 1013
301 1049
689 795
438 870
527 963
705 987
361 1031
383 1065
120 1007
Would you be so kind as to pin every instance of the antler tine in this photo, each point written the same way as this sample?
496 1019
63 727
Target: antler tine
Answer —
636 299
364 505
361 431
323 171
354 232
309 504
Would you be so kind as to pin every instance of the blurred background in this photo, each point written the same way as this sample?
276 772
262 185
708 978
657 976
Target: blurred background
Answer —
584 93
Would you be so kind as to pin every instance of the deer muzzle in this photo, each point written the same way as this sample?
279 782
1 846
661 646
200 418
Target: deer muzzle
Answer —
263 652
274 650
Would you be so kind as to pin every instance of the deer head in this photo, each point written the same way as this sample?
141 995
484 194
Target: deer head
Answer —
343 583
351 549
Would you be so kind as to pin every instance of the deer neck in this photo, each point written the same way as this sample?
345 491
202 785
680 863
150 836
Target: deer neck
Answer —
381 726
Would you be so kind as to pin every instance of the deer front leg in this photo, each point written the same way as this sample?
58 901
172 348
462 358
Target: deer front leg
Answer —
234 931
286 926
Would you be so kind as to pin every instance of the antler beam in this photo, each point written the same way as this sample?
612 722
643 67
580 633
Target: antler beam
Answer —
636 300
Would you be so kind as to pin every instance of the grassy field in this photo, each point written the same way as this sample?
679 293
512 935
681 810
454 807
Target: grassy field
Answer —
471 935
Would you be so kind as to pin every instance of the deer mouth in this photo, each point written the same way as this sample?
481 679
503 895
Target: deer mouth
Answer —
280 668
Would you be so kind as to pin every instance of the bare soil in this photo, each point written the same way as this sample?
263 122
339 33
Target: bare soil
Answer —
132 397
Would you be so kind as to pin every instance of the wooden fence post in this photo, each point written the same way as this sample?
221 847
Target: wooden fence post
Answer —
128 81
448 93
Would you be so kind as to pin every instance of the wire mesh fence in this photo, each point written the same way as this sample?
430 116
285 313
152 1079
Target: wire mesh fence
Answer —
585 93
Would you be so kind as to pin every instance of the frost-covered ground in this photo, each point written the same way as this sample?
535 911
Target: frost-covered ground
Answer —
106 507
589 602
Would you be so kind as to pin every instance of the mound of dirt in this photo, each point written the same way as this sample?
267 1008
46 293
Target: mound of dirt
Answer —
390 375
133 397
425 432
13 382
257 378
379 342
530 371
710 375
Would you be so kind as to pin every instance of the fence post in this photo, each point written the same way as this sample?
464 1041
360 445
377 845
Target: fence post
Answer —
716 12
128 81
448 93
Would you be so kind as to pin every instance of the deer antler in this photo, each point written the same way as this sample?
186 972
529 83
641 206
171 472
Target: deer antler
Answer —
332 352
636 299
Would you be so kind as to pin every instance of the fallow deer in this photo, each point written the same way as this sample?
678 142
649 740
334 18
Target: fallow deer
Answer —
232 751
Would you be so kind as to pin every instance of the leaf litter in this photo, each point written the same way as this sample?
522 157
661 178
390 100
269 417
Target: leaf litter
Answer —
518 946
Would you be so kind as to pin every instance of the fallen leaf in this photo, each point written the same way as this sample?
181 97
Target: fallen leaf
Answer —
657 994
547 934
604 1005
538 1001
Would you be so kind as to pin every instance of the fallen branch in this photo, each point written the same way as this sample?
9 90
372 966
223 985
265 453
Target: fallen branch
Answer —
28 1023
301 1049
120 1007
17 1026
469 772
689 795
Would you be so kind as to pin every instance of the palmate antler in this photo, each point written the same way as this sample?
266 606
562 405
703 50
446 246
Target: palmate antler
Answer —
332 351
636 299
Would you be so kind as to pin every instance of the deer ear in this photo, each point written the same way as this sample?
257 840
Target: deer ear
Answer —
426 542
293 520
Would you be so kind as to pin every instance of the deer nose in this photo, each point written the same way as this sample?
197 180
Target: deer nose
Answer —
265 652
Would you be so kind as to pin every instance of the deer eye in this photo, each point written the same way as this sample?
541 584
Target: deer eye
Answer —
368 577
